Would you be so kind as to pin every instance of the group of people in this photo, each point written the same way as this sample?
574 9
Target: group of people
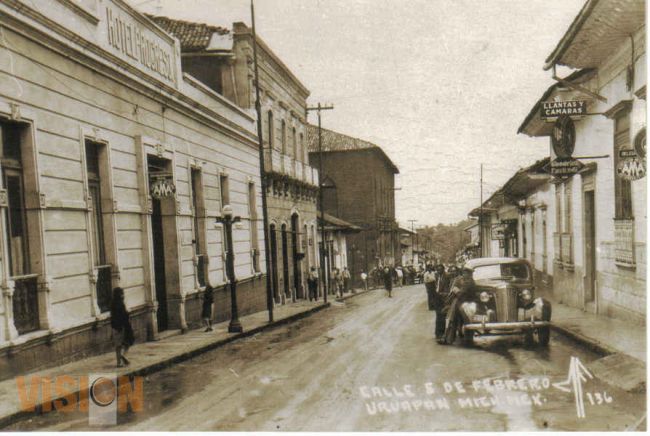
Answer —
446 289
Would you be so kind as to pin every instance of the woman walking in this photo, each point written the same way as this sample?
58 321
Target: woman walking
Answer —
123 336
206 312
388 281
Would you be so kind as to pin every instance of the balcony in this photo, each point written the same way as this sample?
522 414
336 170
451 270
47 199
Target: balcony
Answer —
624 242
275 162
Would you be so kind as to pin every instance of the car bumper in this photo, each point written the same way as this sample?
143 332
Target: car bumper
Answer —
506 327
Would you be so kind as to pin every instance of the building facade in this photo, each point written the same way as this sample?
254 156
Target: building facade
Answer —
223 60
600 214
115 166
364 198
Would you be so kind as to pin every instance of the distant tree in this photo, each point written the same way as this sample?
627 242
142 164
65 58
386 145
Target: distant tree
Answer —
446 240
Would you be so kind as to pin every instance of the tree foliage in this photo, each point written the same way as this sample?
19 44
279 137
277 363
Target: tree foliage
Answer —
446 240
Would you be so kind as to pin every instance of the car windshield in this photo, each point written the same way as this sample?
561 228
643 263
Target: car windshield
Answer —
501 271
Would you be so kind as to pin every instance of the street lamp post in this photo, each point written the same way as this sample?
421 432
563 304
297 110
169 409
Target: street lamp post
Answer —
227 219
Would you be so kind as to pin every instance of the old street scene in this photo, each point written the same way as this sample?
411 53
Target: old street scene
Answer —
296 215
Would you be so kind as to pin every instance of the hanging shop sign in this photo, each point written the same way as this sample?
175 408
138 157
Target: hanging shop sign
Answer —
498 231
162 186
563 137
630 165
551 110
564 168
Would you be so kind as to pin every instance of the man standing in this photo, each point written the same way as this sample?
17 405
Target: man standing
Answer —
312 283
462 289
400 276
388 281
430 284
346 279
441 294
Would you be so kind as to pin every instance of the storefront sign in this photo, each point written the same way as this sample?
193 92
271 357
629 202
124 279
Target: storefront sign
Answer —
162 186
141 45
562 168
563 137
554 109
498 232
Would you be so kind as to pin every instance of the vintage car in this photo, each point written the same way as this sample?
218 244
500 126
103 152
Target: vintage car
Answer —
504 302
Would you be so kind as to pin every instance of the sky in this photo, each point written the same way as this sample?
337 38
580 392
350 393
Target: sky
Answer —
441 85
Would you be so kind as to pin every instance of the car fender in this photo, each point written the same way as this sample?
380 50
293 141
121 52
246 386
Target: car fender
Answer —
541 309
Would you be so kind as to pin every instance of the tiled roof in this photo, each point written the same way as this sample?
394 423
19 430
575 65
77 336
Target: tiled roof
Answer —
193 36
334 141
336 223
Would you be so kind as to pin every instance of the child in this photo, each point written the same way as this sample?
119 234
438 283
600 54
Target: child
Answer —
208 298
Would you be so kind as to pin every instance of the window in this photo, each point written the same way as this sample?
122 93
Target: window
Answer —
103 285
252 214
294 143
271 128
225 194
568 199
305 158
284 137
25 298
622 188
197 212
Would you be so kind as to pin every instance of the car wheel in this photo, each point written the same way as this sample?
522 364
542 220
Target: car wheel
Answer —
544 335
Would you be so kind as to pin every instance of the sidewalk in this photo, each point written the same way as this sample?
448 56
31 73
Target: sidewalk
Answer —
622 343
149 357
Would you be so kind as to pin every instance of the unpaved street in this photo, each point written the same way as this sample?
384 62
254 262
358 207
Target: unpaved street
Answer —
332 370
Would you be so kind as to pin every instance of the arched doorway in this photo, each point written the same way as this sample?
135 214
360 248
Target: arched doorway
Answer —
285 260
296 256
274 262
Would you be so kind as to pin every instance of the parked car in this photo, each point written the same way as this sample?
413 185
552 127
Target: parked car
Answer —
504 302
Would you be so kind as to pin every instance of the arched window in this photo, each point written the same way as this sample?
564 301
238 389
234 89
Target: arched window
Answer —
271 128
284 137
294 144
305 158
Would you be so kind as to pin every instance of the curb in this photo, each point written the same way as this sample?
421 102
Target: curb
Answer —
592 344
158 366
354 295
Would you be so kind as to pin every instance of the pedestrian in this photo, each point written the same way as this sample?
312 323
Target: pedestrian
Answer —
388 281
346 279
339 282
463 289
429 284
123 336
206 313
364 279
440 297
400 276
334 281
312 283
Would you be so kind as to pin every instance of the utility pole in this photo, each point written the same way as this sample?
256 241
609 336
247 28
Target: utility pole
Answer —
412 246
318 110
258 108
480 216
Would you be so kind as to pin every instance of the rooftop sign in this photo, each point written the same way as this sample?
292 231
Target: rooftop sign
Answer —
145 47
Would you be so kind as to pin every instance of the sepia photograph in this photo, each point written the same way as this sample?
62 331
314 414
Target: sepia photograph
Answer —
323 216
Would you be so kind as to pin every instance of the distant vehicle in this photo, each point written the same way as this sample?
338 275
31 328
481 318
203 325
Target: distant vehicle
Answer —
504 302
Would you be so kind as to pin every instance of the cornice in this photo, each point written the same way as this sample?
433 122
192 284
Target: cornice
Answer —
621 106
144 84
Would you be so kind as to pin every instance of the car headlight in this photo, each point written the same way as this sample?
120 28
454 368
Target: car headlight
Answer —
526 295
484 297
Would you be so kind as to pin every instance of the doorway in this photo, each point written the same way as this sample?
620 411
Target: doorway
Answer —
274 262
285 260
162 242
295 256
590 246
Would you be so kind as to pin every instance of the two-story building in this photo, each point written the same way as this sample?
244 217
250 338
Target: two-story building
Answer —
223 60
115 165
600 214
360 188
